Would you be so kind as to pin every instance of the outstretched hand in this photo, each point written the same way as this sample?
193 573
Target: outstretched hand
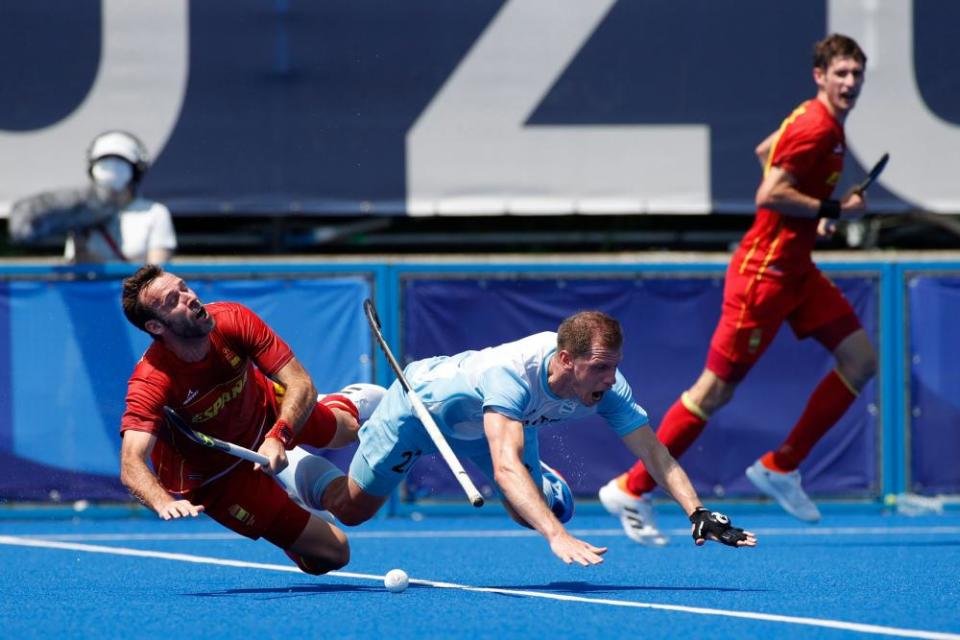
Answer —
179 509
570 550
713 525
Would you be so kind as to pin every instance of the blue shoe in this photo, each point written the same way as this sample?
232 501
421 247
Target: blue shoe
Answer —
557 493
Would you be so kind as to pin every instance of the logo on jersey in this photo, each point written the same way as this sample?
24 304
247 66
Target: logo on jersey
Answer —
568 407
533 422
838 149
191 394
229 394
753 343
231 357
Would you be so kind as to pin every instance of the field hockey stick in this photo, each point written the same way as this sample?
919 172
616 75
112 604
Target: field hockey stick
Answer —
214 443
873 175
421 410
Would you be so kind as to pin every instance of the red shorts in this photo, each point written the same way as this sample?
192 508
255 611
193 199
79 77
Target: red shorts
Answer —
754 309
254 505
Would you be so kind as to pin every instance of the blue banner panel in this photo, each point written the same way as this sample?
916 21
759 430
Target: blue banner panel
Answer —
934 350
71 352
668 322
429 107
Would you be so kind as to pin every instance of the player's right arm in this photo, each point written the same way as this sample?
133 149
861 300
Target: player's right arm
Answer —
778 191
137 477
505 437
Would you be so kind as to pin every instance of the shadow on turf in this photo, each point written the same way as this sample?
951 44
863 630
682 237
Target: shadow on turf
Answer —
586 587
290 592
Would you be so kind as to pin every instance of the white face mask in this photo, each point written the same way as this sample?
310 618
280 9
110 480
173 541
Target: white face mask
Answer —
110 173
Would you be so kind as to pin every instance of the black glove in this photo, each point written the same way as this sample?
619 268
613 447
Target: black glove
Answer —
706 522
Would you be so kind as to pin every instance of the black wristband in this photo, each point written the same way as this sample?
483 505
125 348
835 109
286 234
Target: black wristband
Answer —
829 209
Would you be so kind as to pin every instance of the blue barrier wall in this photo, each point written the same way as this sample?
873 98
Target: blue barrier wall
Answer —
66 353
934 348
668 322
71 352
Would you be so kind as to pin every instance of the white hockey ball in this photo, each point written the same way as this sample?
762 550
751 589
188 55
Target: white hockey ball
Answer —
396 580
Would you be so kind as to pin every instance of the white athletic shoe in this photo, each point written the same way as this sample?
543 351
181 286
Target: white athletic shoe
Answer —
365 396
784 488
636 514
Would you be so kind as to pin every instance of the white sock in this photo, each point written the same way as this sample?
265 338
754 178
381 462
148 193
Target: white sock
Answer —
307 476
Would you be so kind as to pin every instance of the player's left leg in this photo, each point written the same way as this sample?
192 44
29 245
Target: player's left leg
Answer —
333 423
830 399
828 317
321 547
391 442
350 408
252 504
305 471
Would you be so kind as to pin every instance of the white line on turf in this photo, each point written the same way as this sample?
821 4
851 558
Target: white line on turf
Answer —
748 615
513 533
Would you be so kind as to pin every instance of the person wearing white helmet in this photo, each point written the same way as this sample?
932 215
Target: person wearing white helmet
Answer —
106 221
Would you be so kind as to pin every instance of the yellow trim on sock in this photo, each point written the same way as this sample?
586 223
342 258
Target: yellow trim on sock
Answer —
693 407
846 383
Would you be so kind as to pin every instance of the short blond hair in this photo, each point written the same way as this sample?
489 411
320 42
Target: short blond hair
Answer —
579 333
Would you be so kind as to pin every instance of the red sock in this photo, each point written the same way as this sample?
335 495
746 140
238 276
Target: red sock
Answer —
828 402
680 427
319 428
337 401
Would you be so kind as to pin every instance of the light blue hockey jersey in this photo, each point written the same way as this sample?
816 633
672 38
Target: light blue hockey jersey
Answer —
512 380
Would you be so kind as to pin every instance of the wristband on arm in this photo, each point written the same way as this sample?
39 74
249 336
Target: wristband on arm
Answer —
281 431
829 209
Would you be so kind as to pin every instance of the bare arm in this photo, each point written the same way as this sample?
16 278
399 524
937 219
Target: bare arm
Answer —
669 475
663 467
143 484
778 191
763 149
299 398
505 437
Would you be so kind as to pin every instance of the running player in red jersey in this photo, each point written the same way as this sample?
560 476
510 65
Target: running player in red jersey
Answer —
226 373
771 280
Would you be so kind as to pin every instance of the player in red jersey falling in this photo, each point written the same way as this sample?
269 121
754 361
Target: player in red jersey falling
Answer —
227 374
771 280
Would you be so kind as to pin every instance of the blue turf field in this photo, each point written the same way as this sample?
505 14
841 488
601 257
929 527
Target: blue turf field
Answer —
851 576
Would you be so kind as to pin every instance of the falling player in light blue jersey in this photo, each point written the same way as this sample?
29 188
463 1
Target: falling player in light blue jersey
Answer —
489 405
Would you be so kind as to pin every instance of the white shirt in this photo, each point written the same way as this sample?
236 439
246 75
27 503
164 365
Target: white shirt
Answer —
139 227
512 380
